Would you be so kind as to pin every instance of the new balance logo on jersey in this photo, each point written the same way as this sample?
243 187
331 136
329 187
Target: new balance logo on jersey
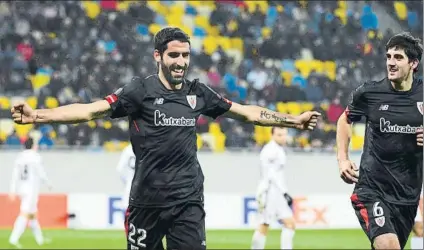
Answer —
386 127
162 120
384 107
158 101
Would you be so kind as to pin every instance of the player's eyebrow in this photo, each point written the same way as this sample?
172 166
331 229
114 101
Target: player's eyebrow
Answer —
177 54
396 55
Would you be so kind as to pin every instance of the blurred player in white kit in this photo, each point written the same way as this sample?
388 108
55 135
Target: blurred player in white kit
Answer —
417 237
274 203
125 168
28 174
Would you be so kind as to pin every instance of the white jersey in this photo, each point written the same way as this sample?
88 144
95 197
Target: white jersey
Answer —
28 173
126 168
273 159
272 187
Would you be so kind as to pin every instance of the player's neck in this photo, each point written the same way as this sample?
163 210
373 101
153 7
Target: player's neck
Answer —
167 84
405 85
278 144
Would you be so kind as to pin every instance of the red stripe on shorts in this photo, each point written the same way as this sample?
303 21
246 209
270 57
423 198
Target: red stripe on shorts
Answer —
362 210
127 214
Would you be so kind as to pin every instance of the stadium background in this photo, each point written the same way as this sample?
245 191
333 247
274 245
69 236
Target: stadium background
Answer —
289 56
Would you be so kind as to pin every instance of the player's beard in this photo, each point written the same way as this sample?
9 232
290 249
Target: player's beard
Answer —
167 73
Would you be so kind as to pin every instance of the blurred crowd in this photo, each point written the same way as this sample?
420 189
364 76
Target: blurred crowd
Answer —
288 56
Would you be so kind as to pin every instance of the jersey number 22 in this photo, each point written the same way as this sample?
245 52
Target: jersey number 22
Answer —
140 235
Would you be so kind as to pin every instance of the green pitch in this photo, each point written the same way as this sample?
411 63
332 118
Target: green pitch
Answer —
219 239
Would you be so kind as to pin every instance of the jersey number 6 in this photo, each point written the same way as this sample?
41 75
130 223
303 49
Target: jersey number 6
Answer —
377 210
141 236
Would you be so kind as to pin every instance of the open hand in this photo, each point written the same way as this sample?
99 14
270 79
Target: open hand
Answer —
22 113
348 171
308 120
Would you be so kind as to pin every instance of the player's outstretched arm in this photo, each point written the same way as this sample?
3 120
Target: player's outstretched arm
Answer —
265 117
347 168
22 113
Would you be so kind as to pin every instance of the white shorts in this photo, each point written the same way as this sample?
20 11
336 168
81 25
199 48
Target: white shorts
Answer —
29 203
275 207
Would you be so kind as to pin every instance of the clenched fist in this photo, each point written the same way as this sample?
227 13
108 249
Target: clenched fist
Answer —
308 120
22 113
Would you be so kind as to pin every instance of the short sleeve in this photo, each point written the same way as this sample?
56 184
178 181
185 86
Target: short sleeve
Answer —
126 100
357 106
215 104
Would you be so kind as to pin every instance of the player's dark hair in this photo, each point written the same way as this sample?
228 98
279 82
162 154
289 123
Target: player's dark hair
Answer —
29 143
168 34
411 45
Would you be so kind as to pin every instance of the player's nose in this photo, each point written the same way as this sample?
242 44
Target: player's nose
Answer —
181 62
391 62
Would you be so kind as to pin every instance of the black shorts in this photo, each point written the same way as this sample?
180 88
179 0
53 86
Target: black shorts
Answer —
378 217
183 225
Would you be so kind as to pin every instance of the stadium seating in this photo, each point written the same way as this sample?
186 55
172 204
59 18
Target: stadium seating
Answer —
409 14
231 36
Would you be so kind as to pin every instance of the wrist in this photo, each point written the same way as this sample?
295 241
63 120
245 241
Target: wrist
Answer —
295 121
340 159
35 116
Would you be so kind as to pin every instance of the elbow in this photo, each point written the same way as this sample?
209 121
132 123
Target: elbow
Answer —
84 117
91 113
253 116
251 119
89 116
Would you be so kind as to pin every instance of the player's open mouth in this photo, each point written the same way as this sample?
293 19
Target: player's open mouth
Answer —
178 72
393 70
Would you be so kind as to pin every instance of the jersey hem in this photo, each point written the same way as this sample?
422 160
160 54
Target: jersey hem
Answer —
409 203
388 200
161 205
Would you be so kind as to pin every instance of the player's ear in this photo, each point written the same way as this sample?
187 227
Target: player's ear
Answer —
414 64
157 56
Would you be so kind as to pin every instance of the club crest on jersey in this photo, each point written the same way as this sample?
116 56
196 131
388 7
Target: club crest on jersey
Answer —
420 107
191 99
380 221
